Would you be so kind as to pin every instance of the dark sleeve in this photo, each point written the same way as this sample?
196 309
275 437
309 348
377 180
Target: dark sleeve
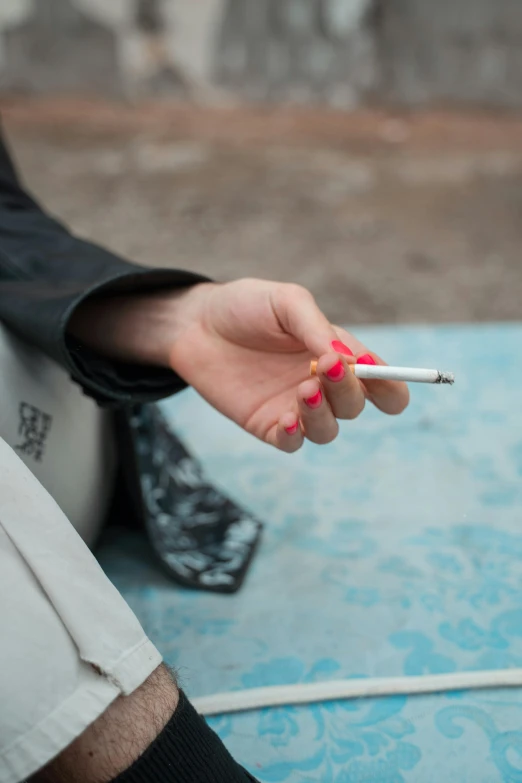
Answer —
46 273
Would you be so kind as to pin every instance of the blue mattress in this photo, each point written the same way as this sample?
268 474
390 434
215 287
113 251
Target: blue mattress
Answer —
396 550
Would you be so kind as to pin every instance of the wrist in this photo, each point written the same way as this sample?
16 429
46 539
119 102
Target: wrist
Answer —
175 312
139 328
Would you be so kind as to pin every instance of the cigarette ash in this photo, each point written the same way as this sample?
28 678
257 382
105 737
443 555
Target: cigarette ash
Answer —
445 377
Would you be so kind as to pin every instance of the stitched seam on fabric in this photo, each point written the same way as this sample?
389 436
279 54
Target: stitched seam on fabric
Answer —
107 670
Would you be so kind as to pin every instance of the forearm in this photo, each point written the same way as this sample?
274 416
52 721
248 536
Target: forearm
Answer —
139 328
47 274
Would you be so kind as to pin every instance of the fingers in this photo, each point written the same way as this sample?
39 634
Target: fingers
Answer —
390 397
288 435
298 314
342 389
334 394
317 418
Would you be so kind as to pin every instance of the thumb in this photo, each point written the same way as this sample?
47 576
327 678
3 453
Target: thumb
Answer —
300 317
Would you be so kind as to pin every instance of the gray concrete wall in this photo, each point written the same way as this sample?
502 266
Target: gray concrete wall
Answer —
451 51
339 52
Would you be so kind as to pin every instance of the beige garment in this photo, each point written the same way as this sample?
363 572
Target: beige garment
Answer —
69 644
63 437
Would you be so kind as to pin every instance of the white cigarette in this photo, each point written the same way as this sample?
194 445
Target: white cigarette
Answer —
408 374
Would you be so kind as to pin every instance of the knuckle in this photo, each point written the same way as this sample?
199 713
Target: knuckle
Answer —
295 291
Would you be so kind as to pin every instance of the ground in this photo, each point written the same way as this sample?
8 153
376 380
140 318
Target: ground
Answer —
385 218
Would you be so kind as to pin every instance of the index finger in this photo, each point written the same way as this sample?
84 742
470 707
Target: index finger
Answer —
390 397
299 316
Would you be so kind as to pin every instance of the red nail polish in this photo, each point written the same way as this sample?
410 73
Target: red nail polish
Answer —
337 372
366 359
293 429
315 400
340 347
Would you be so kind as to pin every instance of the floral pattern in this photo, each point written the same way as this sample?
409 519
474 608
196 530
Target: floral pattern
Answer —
396 550
203 538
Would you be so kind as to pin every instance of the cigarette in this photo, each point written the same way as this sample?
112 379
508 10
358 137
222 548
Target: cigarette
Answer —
408 374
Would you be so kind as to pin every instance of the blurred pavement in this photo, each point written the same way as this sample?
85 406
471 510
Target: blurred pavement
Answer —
385 219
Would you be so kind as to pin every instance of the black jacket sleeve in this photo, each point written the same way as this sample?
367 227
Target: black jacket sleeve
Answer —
46 273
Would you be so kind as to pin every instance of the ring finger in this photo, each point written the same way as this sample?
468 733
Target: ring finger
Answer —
343 391
317 418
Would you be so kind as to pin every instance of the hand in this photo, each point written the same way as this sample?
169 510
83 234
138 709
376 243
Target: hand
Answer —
246 348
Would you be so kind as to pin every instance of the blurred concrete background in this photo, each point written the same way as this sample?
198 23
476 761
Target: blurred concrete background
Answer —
370 149
343 53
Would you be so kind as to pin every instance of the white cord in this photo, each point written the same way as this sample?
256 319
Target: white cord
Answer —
313 692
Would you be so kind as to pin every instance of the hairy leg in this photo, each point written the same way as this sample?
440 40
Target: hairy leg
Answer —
118 737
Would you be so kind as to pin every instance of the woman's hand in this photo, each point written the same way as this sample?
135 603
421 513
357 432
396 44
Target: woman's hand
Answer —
246 348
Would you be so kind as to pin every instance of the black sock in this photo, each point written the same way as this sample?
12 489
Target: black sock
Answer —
186 751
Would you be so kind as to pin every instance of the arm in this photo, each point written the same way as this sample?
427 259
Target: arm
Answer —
46 273
246 348
130 334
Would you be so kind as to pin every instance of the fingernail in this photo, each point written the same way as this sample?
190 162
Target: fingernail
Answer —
340 347
293 429
316 400
337 372
366 359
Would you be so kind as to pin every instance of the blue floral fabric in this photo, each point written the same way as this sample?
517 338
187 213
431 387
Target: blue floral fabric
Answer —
396 550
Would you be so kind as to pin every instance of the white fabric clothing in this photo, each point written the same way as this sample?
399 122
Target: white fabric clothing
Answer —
69 644
62 435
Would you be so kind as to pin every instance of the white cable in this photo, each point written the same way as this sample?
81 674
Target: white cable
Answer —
313 692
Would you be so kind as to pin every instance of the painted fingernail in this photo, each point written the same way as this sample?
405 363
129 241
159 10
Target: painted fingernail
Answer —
366 359
315 400
337 372
293 429
340 347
